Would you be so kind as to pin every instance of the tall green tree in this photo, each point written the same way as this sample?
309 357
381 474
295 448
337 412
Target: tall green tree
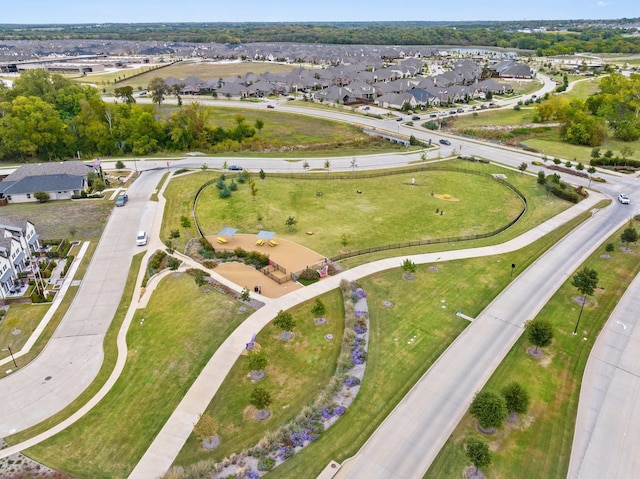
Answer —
629 235
489 409
516 398
540 332
158 89
478 453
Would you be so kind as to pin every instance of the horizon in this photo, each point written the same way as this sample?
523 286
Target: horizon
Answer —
71 12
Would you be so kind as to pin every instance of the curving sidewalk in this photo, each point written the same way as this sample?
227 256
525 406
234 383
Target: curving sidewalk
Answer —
169 441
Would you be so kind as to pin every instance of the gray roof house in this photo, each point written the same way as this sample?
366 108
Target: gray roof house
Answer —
61 180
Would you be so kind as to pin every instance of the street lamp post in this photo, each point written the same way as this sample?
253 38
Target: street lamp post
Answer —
584 300
11 354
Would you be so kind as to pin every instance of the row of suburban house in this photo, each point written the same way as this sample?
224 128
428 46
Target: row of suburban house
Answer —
18 242
367 82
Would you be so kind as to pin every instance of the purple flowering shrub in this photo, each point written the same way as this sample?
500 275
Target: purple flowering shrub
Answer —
298 438
339 411
358 354
361 327
251 474
360 293
286 452
351 381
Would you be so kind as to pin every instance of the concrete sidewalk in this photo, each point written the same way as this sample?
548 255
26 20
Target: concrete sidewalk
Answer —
167 444
607 434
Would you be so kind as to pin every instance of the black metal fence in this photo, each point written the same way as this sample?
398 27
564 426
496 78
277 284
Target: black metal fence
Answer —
376 174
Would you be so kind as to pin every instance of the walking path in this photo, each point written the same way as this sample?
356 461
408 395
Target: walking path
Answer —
167 444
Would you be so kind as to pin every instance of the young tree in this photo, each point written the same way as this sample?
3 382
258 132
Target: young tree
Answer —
327 165
354 165
408 266
284 320
318 308
516 398
260 398
626 151
523 167
290 223
125 93
305 166
489 409
253 189
257 360
205 427
540 332
119 165
185 222
478 453
259 124
595 153
629 235
344 240
158 89
541 179
585 281
173 263
262 174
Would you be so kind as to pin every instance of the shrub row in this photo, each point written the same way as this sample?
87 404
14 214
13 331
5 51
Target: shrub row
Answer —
67 265
622 162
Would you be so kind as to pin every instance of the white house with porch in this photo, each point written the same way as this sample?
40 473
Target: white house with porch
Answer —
18 241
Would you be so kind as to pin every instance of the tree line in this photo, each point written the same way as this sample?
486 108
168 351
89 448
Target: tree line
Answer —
46 116
577 37
614 108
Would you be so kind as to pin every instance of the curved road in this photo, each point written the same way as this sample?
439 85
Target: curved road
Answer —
68 375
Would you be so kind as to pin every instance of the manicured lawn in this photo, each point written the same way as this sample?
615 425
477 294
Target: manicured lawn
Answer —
506 117
583 89
296 371
389 210
541 442
182 328
394 362
21 319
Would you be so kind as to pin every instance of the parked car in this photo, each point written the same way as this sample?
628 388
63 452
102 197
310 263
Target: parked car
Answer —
366 108
399 118
142 238
483 107
415 117
142 93
433 115
452 112
235 168
444 141
624 199
122 199
460 110
270 106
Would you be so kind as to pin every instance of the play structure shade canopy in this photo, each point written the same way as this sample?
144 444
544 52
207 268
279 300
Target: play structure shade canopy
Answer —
266 235
227 231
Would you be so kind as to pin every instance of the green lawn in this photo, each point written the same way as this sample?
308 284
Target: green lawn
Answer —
16 328
166 353
296 371
389 210
394 364
541 442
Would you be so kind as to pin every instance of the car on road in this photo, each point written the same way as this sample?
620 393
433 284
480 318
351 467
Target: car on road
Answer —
399 118
444 141
366 108
235 168
415 117
624 199
483 107
271 106
452 112
433 115
142 238
460 110
122 199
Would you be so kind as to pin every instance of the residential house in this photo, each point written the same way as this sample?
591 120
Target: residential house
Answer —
61 180
18 240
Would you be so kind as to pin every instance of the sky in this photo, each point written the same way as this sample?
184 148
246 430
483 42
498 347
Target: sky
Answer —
155 11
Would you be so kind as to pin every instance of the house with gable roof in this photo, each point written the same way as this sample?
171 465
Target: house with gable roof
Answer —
18 241
61 180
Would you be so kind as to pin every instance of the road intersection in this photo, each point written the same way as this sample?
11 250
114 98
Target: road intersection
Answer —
498 321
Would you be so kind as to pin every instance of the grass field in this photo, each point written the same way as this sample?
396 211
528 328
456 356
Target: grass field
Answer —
368 219
541 442
409 217
58 219
296 371
166 353
394 362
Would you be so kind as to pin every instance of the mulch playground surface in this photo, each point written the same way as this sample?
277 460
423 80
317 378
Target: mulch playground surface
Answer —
291 256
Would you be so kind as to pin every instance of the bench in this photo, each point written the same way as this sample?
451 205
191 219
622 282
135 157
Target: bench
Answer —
260 242
273 243
324 271
221 240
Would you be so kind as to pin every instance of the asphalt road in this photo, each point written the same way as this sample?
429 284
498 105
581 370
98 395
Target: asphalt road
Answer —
73 356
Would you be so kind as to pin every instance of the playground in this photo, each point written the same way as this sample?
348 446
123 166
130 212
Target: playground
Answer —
289 256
